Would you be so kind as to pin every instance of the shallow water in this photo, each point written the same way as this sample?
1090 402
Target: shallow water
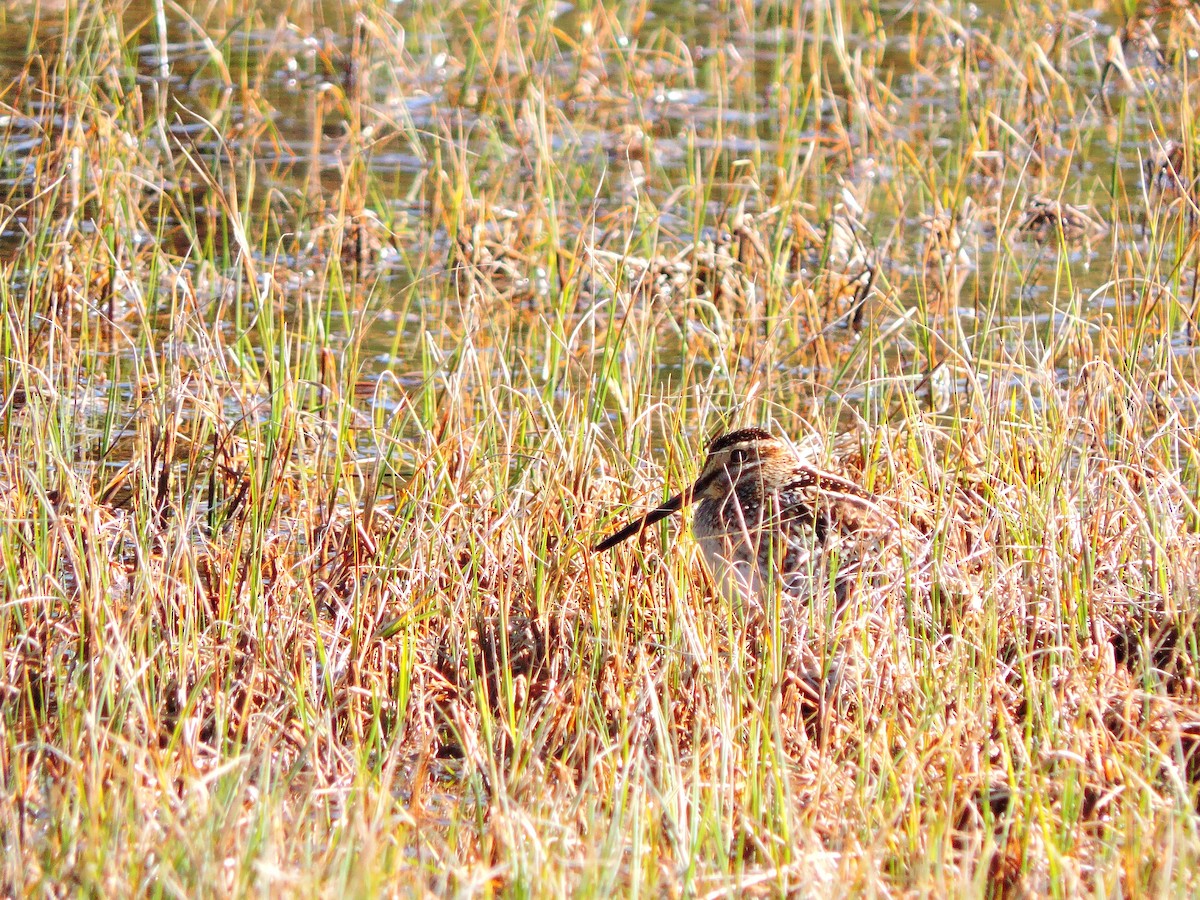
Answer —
694 93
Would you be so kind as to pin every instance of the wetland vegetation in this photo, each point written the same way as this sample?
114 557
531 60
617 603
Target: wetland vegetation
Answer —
336 334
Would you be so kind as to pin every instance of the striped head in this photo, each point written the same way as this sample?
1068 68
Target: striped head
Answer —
749 453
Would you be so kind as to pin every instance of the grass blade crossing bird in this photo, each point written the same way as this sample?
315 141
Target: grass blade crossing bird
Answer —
768 519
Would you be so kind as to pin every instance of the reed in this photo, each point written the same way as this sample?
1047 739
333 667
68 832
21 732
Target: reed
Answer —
326 360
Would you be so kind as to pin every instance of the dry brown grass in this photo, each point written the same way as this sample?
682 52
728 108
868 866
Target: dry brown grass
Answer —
322 370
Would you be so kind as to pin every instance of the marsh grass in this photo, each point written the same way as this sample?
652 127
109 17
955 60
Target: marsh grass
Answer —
326 360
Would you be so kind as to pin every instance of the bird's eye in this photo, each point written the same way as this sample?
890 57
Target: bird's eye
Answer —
737 457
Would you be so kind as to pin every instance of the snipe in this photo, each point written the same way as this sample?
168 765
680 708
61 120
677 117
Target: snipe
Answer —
769 520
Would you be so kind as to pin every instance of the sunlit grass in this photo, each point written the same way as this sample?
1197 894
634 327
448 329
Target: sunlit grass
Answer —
325 362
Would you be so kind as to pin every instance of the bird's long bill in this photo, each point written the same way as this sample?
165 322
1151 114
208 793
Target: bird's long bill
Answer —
676 503
673 505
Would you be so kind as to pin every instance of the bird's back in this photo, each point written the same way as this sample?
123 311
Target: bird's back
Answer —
783 537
